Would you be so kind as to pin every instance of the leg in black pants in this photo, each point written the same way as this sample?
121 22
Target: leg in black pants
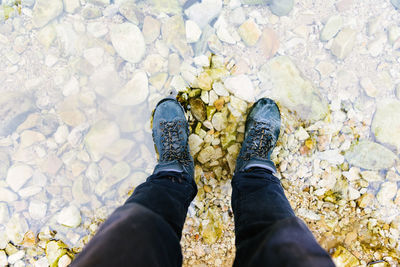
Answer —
147 229
267 231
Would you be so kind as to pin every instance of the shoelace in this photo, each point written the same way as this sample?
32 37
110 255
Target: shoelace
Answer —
171 141
260 140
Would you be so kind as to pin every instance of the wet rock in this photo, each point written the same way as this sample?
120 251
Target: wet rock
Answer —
15 228
71 6
94 55
343 43
119 149
54 251
29 138
7 195
249 32
193 31
195 143
385 124
37 209
206 154
128 41
240 86
219 89
18 175
293 91
281 7
370 156
64 261
45 11
151 29
268 44
128 10
134 92
342 257
331 28
332 156
369 87
69 216
173 33
100 137
198 109
386 193
105 81
204 12
219 121
167 6
4 213
81 190
117 173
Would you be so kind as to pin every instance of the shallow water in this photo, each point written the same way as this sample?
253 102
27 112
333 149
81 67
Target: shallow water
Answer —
79 80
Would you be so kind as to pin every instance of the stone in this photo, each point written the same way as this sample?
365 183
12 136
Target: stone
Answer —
94 55
385 124
119 149
371 176
97 29
342 257
375 48
293 91
13 258
223 32
153 63
386 193
69 216
37 209
219 89
71 87
134 92
4 213
151 29
240 86
193 31
353 193
309 214
219 121
370 156
195 143
393 34
167 6
281 7
71 6
128 41
249 32
332 156
100 137
331 28
205 155
99 2
268 44
395 3
343 43
30 137
15 228
54 251
105 81
7 195
366 200
45 11
204 12
117 173
198 109
174 34
64 261
3 258
368 87
18 175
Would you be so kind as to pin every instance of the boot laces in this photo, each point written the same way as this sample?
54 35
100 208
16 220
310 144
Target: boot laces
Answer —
172 142
260 141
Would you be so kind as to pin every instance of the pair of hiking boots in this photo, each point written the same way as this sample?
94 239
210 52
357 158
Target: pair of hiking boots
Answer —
171 134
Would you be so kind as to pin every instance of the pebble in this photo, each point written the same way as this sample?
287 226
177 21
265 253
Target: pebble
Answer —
71 6
37 209
195 143
134 92
331 28
240 86
151 29
219 121
343 43
204 12
17 175
128 10
7 195
375 47
386 193
268 43
3 258
30 137
193 31
281 7
368 87
385 124
117 173
69 216
44 11
249 32
128 41
12 259
4 213
94 55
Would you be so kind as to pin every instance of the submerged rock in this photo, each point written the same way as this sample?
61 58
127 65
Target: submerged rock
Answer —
331 28
204 12
386 193
293 91
103 134
344 43
386 124
128 41
69 216
134 92
18 175
395 3
370 156
44 11
240 86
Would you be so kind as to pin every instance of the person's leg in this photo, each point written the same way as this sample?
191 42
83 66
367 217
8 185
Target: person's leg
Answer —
267 231
146 230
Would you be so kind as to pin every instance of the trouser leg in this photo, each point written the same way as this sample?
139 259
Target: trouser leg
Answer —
267 231
147 229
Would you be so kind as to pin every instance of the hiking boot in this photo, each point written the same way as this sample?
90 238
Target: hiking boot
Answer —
170 136
262 131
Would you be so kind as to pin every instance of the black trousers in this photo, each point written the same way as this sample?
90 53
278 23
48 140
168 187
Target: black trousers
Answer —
147 229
